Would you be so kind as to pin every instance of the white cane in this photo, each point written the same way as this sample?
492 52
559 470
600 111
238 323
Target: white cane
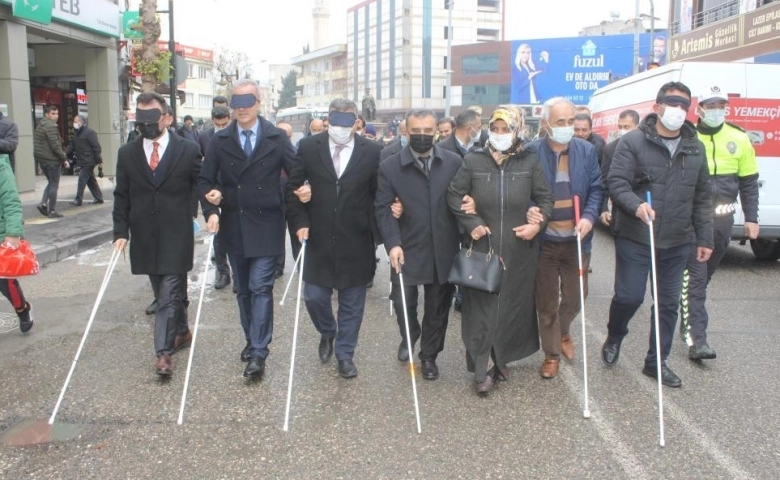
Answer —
411 356
289 282
585 409
195 331
390 283
302 256
658 353
111 264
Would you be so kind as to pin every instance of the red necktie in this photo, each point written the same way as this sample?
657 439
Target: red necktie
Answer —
155 160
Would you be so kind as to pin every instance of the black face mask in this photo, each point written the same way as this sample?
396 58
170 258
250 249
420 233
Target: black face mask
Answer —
420 142
149 130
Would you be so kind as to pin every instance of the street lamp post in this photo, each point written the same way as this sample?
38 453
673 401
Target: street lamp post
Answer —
172 49
637 24
448 72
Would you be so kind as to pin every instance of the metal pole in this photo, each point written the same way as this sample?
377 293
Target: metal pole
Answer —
172 49
652 28
636 38
447 101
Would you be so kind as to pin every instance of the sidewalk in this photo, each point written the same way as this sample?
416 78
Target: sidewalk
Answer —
80 229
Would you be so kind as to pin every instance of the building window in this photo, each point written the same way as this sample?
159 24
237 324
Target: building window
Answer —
484 64
485 94
487 35
446 33
203 72
204 101
488 5
445 62
190 70
190 101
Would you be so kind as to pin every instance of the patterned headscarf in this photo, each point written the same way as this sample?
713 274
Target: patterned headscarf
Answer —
514 120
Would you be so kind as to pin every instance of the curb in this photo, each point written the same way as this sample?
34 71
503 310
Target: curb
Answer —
59 251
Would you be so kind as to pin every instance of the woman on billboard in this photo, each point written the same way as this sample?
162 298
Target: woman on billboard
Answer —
524 84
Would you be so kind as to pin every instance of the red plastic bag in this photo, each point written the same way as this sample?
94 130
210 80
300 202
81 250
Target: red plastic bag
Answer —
17 262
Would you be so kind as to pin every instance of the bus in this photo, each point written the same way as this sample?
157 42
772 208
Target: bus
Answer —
299 118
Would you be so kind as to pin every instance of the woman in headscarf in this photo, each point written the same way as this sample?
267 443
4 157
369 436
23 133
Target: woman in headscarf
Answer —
504 180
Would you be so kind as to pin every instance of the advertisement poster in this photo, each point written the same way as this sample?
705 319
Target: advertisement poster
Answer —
574 67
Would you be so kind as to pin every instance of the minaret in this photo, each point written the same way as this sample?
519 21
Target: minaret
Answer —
321 17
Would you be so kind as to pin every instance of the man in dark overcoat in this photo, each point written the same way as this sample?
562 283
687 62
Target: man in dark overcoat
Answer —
340 226
423 242
154 181
241 173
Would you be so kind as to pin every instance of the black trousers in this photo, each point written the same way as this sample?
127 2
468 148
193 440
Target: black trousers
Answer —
436 314
220 254
52 173
11 289
87 179
171 317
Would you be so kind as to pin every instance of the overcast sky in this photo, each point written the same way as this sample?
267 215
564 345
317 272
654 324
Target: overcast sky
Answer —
276 33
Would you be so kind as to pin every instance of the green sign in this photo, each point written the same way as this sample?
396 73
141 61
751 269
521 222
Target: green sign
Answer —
131 19
34 10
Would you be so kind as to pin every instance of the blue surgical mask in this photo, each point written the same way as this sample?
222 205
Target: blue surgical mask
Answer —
562 135
713 118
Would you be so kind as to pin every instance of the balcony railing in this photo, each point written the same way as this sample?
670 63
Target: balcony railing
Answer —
715 14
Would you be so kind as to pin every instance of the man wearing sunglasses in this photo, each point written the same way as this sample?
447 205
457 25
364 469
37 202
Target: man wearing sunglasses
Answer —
664 157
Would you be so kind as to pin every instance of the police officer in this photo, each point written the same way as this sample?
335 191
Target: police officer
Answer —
733 170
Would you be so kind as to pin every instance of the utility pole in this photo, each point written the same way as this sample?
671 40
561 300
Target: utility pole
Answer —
652 27
637 24
448 72
172 49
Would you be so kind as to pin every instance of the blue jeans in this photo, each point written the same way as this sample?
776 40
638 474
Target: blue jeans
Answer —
632 267
254 279
352 303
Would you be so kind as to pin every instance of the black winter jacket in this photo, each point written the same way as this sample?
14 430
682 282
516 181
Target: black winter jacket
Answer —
679 185
86 148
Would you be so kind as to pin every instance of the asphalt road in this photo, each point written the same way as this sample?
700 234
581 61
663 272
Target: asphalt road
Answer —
721 424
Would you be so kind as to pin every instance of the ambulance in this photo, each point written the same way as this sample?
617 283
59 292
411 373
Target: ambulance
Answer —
754 105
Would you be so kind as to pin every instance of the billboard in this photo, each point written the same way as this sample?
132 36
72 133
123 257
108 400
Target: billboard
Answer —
574 67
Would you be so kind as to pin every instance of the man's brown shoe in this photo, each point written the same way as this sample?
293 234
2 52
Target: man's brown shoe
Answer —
164 366
567 347
182 341
549 368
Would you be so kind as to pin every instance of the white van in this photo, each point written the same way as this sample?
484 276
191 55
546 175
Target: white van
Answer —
754 104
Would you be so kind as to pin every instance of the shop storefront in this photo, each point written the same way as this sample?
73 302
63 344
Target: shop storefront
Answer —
61 52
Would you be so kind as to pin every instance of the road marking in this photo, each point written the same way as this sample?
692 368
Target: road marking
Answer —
620 451
678 415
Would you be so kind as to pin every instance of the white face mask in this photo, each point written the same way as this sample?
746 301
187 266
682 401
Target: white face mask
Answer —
622 132
673 118
76 126
561 135
475 136
500 142
340 135
713 118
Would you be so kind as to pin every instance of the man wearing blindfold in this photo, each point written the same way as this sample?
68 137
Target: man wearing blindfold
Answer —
664 157
155 177
241 174
339 226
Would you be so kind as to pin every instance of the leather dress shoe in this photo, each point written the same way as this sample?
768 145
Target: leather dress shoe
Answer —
97 202
347 369
403 351
182 341
701 352
43 209
164 367
668 377
483 388
152 308
75 203
246 353
255 368
223 280
499 374
549 368
326 349
429 370
567 347
610 351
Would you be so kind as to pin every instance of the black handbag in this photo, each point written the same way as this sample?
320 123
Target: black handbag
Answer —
477 270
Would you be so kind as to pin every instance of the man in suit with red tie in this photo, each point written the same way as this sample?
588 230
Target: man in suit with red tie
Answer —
339 225
241 173
154 182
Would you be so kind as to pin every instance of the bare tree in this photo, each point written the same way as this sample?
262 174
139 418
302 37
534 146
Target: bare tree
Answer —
230 66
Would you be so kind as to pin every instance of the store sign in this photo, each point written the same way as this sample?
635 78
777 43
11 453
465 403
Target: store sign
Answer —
33 10
762 25
81 96
99 16
703 41
130 21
